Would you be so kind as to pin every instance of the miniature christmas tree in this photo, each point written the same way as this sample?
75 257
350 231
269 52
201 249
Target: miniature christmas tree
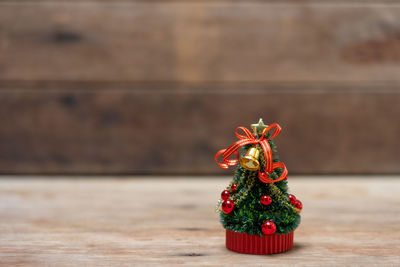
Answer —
255 209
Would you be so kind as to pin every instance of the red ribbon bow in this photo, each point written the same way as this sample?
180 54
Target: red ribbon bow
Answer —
249 138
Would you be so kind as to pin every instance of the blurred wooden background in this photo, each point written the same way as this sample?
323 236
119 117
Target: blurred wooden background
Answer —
157 87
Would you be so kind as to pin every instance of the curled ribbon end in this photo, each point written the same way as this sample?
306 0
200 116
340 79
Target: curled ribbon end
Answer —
265 179
226 161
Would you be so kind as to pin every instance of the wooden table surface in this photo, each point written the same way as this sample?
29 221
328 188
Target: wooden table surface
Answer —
171 221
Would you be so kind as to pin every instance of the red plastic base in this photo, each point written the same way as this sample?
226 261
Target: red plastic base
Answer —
254 244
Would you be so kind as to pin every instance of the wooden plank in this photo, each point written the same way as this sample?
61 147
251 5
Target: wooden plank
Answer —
170 221
199 41
177 127
287 2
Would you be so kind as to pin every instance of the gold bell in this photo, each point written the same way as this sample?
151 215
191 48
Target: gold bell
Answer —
250 160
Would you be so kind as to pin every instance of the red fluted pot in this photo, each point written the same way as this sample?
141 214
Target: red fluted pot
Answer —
254 244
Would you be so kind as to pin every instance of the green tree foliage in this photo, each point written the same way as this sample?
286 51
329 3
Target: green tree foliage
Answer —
249 214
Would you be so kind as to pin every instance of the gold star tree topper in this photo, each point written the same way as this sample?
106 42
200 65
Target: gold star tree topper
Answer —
258 127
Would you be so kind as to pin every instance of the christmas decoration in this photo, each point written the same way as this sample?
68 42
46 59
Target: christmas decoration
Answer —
227 206
298 204
258 213
263 176
265 200
268 228
292 199
233 187
225 194
250 160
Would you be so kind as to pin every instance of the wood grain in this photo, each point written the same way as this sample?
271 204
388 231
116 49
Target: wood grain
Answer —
171 221
199 41
156 87
177 128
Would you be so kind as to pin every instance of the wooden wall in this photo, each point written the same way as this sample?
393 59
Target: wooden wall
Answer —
157 87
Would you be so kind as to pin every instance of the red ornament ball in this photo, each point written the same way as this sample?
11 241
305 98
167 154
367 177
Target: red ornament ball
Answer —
233 187
298 204
265 200
227 206
292 199
268 228
263 176
225 194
